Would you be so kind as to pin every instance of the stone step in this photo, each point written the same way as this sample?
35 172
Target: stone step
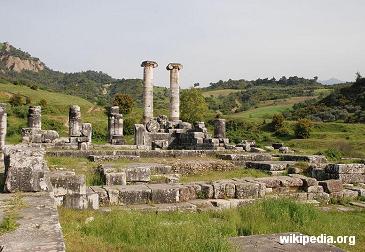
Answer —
269 165
303 158
136 173
242 157
98 158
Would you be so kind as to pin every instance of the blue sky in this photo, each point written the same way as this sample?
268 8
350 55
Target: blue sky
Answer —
213 39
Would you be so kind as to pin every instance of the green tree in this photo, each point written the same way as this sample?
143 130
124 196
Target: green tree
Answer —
277 122
193 106
303 128
125 103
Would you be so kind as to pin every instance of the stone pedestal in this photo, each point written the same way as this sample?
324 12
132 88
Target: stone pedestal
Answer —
219 128
148 67
174 69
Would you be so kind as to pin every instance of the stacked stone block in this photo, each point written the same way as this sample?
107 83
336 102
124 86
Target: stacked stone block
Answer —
34 132
79 133
70 191
115 126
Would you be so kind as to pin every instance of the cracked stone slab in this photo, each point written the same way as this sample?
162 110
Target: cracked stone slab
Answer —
39 228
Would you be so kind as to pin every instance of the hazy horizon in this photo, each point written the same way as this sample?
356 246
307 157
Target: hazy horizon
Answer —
214 40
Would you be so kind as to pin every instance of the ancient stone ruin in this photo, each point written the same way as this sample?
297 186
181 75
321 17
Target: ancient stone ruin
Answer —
34 132
115 126
79 133
3 127
178 148
172 133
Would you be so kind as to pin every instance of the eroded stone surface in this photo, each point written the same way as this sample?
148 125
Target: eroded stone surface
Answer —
39 228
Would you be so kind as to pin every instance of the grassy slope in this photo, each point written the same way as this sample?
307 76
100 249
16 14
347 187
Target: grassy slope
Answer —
56 110
206 231
267 109
220 92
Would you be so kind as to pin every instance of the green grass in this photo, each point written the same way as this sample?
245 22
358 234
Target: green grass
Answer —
266 109
349 139
79 166
220 92
216 175
56 111
12 207
205 231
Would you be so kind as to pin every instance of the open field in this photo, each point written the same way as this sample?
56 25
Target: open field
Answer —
266 109
120 230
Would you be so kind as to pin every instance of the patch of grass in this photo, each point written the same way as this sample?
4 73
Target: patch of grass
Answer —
205 231
79 166
217 175
9 223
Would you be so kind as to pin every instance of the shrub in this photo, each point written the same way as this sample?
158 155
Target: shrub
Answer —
333 154
303 128
282 132
277 122
34 87
125 103
17 100
128 125
43 103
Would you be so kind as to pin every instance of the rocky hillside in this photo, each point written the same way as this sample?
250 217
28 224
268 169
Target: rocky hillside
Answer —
19 67
12 59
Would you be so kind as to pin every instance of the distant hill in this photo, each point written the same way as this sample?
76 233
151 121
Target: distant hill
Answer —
21 68
331 81
346 103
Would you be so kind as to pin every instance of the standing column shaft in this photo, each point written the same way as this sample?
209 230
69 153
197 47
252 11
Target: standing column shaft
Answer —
34 117
174 69
74 119
219 128
3 127
148 67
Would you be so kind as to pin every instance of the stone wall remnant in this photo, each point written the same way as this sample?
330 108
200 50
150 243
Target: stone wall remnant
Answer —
74 121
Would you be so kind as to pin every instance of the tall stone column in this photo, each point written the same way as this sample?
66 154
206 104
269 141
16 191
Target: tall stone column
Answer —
219 128
174 69
148 67
35 117
74 120
3 127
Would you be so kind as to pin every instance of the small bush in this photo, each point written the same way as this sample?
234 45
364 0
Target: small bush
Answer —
128 125
333 154
277 122
17 100
282 132
43 103
303 128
